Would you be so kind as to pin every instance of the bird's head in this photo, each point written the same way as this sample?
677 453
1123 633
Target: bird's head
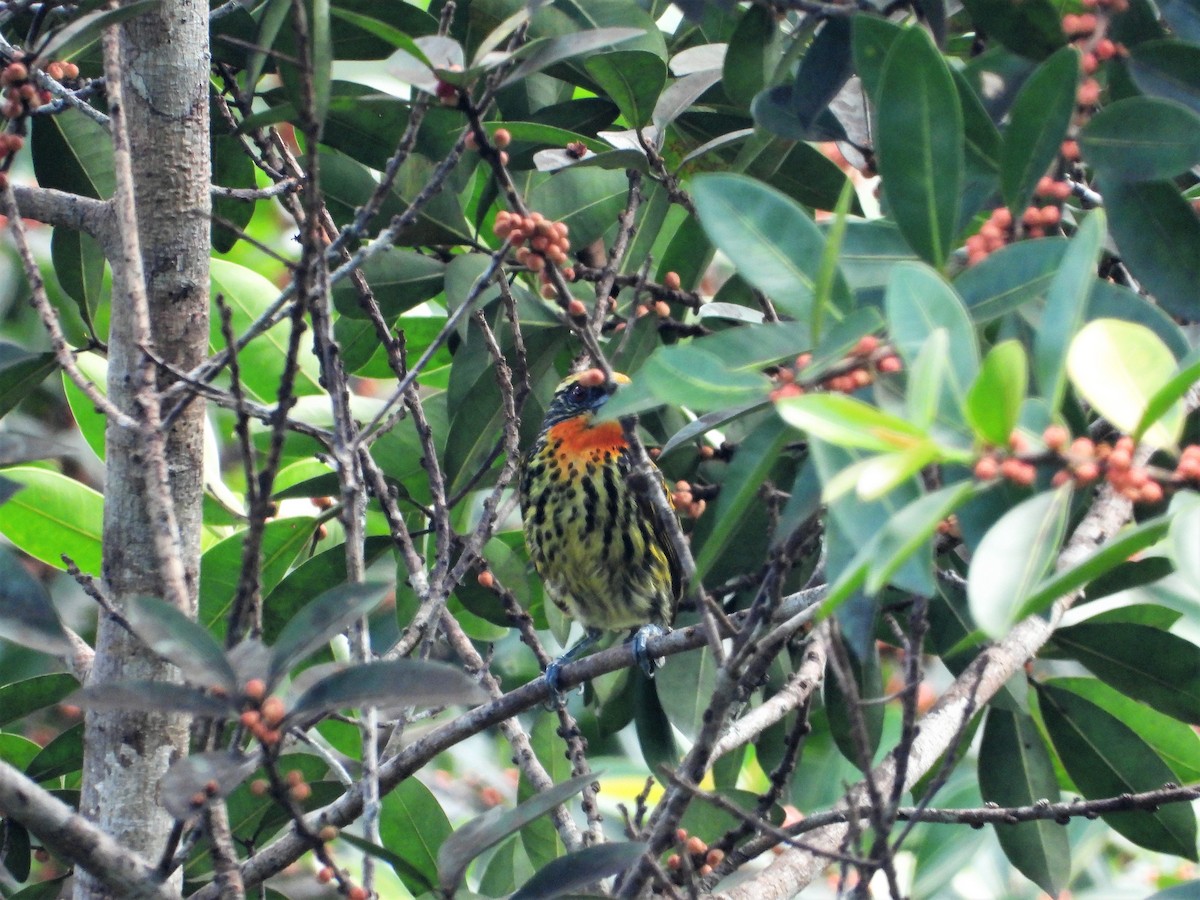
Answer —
582 394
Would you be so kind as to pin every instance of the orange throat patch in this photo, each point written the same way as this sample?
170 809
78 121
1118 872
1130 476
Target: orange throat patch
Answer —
578 438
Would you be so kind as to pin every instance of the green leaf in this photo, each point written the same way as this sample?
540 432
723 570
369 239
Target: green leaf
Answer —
1169 69
153 696
262 362
180 640
918 302
1032 28
849 422
685 685
632 79
1141 139
546 52
774 243
1066 304
688 375
927 379
908 530
920 144
868 679
993 403
401 682
62 756
1009 278
1177 743
1184 538
587 200
321 58
1037 125
1104 559
399 279
1013 557
20 698
1105 758
27 617
1015 769
413 826
21 373
196 774
54 515
221 567
581 868
1158 236
1142 662
84 31
1118 367
79 267
751 56
317 623
489 829
743 480
1167 396
72 153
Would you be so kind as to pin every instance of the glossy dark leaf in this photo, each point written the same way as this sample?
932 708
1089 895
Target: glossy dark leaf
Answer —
547 52
1013 557
401 682
1105 758
27 617
1032 28
1141 139
413 826
633 79
317 623
79 267
399 281
750 59
210 774
492 827
160 696
180 640
579 869
15 853
1037 125
1159 668
1015 769
20 698
1168 69
920 144
85 30
62 756
869 685
72 153
1158 236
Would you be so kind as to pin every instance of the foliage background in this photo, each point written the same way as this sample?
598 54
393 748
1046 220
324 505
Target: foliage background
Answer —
907 294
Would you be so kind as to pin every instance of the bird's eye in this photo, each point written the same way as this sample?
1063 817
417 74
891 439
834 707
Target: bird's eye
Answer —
577 394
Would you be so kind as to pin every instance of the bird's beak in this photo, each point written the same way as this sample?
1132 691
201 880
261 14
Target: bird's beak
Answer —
619 379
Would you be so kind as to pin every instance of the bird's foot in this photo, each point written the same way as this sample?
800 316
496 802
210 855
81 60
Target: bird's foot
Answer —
557 699
641 638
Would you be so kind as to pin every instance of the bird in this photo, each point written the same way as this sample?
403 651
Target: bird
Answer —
593 537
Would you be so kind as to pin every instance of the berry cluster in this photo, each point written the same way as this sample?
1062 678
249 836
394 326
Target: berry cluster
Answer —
547 242
1083 462
686 500
866 359
262 715
502 137
21 95
702 859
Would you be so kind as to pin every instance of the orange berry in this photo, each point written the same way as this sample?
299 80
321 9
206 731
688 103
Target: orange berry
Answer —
70 70
1082 447
1001 217
1069 150
861 378
486 579
1105 49
674 862
1087 23
535 262
1152 492
704 871
1061 477
714 857
325 875
576 308
294 777
14 72
1018 442
255 688
1055 437
328 833
1051 215
1086 473
300 792
504 157
696 846
273 710
1070 24
867 344
199 799
987 468
1088 93
357 893
1032 216
1044 186
55 70
1011 469
890 364
502 137
662 309
672 281
259 787
803 360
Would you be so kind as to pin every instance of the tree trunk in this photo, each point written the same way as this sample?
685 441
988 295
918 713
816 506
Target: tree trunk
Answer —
164 59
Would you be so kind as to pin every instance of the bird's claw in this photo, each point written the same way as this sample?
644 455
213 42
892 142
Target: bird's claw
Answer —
640 639
557 699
